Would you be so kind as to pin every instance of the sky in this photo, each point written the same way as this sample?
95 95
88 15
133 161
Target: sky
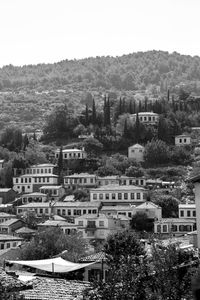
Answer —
48 31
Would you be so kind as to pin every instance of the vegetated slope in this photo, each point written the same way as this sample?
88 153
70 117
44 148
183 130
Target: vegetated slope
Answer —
128 72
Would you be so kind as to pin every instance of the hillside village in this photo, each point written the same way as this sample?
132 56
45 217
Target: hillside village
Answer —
125 170
102 186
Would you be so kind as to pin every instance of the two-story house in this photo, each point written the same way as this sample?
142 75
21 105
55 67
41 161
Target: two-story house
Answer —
54 192
118 194
147 118
69 154
35 177
9 226
82 180
99 226
136 152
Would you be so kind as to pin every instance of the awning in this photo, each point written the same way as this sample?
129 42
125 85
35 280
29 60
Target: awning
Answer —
54 265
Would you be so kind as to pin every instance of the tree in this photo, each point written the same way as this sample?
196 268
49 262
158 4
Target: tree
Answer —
134 171
137 129
94 115
92 146
81 195
51 242
11 138
60 166
168 203
141 222
156 152
180 155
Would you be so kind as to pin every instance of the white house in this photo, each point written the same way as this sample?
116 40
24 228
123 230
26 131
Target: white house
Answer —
99 226
107 180
174 226
136 152
187 211
117 210
126 180
118 194
64 209
82 180
182 140
29 183
33 197
54 192
34 177
71 154
148 118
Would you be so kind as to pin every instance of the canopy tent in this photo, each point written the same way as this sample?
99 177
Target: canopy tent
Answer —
57 265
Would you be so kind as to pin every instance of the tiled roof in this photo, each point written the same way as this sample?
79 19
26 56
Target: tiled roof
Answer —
176 220
117 187
80 175
187 205
94 257
137 146
117 207
63 204
7 237
5 190
42 166
10 222
55 289
147 205
10 283
55 187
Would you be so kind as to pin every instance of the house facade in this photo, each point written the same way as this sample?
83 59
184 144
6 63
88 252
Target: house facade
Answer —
118 194
174 226
147 118
64 209
182 140
152 210
136 152
98 226
9 241
82 180
33 197
54 192
187 211
71 154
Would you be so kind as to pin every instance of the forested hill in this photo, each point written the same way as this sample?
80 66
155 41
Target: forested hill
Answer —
136 71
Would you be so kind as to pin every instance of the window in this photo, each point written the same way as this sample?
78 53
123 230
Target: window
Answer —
84 211
181 228
138 196
2 246
58 212
8 245
29 180
185 140
145 118
39 179
188 213
21 180
16 180
65 155
101 223
182 213
107 196
91 180
14 244
38 171
180 141
194 213
46 211
69 212
132 150
41 171
94 196
89 211
129 214
34 171
35 179
45 170
85 180
174 227
164 228
94 211
113 196
91 224
119 196
41 210
80 223
47 179
132 196
63 212
100 196
150 119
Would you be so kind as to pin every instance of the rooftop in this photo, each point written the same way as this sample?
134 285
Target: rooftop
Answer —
48 165
80 175
175 220
36 175
6 237
63 204
55 187
117 187
148 205
116 207
5 190
10 222
57 289
137 146
187 205
94 257
36 194
70 150
143 113
25 230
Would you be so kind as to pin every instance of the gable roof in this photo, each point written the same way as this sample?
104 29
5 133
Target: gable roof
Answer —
10 222
94 257
11 283
136 146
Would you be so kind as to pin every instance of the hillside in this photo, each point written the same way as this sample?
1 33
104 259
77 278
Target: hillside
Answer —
27 93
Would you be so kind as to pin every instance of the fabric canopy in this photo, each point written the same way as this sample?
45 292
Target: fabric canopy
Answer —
57 265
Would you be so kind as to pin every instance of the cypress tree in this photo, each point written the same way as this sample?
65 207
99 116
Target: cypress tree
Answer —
94 115
137 129
140 106
60 165
120 106
168 95
108 112
125 129
130 107
146 104
86 115
123 106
